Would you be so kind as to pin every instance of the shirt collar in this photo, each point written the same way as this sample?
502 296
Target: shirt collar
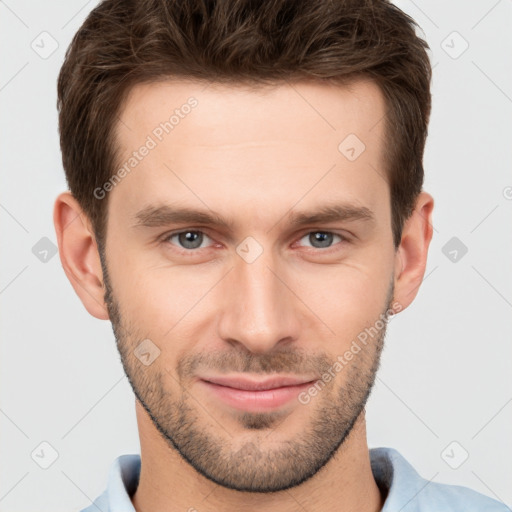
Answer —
396 478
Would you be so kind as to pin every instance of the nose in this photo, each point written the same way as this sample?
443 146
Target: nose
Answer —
260 310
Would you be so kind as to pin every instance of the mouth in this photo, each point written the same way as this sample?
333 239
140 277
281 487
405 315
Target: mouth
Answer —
255 395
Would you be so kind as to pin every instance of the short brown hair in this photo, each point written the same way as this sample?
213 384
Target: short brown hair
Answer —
124 43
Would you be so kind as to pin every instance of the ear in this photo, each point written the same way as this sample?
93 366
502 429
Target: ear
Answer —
411 255
79 254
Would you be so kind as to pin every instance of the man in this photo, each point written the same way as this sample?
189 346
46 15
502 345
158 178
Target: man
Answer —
246 207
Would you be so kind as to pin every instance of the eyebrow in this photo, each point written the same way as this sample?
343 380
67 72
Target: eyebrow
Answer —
164 215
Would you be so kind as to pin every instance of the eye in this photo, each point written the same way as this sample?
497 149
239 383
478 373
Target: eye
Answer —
189 239
321 239
192 239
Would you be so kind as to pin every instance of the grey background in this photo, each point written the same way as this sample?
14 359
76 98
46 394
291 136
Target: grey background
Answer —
445 374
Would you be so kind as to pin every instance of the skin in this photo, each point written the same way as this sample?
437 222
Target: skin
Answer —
254 157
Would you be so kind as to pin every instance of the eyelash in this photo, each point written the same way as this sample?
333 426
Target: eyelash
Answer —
167 237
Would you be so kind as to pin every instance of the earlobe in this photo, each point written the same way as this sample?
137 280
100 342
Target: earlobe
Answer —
411 257
79 254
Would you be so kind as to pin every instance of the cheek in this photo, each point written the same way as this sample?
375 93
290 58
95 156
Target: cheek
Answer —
347 297
159 300
165 301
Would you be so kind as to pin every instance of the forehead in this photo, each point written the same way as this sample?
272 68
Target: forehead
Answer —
323 107
258 147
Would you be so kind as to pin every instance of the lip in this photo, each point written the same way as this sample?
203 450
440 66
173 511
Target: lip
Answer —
246 383
250 394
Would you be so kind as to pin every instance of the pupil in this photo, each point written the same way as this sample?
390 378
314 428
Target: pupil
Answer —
190 239
324 239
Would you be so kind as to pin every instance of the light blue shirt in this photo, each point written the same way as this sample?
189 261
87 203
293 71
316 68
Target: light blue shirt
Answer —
406 490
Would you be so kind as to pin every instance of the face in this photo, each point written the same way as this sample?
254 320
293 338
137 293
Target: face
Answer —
247 243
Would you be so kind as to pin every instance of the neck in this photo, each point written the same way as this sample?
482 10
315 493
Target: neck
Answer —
169 484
